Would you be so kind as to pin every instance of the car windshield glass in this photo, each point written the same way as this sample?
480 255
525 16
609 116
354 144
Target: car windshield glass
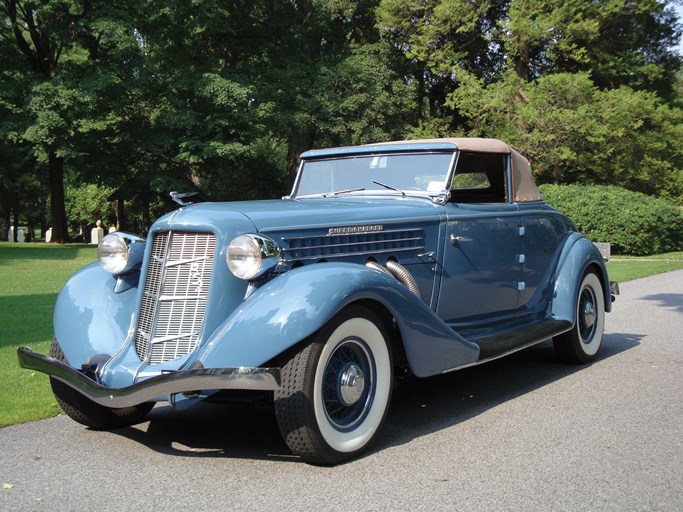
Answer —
368 174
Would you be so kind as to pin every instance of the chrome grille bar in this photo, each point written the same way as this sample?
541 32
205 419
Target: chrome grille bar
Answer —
175 295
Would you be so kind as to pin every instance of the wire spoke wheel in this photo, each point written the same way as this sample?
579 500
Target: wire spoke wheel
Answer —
348 384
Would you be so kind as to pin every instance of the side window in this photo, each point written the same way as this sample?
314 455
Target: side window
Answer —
474 180
479 178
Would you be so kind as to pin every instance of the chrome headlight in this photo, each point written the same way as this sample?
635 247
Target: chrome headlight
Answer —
120 252
251 256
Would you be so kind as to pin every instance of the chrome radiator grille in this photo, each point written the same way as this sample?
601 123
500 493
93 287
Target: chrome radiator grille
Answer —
175 294
338 246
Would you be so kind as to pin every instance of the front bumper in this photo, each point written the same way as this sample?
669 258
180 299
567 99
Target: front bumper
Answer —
259 379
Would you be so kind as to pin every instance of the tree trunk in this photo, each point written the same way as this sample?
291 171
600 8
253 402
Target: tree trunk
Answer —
146 224
5 224
60 233
15 223
522 60
120 215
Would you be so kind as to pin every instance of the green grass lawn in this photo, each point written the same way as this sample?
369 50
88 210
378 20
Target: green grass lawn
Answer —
627 268
31 275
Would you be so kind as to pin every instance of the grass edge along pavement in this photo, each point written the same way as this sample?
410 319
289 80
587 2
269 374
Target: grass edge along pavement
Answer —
32 274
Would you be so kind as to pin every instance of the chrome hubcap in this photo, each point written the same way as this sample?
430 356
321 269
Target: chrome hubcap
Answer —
588 314
351 384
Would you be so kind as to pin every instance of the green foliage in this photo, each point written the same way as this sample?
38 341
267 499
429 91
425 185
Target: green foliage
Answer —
575 133
147 97
362 99
443 35
633 223
88 203
257 171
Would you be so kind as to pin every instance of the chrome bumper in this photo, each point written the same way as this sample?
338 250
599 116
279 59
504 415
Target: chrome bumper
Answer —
260 379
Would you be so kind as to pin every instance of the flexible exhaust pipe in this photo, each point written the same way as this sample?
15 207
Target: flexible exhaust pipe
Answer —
398 271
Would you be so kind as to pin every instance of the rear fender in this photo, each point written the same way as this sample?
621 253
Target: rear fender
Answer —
293 306
577 255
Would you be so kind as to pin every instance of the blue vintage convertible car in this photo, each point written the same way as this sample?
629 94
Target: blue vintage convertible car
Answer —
418 257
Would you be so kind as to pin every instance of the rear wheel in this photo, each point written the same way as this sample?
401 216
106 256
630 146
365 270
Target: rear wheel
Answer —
582 342
335 392
85 411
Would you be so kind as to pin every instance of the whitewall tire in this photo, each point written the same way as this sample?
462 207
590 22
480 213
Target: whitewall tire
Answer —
336 390
582 342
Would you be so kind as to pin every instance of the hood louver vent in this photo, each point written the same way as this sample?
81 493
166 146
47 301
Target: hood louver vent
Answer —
339 246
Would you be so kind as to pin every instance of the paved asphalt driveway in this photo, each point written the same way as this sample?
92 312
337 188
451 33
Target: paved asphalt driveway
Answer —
522 433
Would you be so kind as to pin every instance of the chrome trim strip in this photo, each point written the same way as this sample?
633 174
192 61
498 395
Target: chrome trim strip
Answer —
327 235
174 263
164 339
129 337
171 298
261 379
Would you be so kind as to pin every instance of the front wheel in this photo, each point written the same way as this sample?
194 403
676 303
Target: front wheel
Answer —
335 392
582 342
85 411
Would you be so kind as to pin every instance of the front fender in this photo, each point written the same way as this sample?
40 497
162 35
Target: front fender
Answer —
291 307
577 255
90 318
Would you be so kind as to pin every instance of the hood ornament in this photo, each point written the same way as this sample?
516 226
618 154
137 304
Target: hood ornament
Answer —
179 196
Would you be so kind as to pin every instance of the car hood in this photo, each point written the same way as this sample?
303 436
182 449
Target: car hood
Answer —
288 214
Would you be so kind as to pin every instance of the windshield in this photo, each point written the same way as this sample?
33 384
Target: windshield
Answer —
423 172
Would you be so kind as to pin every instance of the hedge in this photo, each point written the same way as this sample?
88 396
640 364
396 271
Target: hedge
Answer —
633 223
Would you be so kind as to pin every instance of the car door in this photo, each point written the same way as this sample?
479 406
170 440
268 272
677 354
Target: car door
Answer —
481 267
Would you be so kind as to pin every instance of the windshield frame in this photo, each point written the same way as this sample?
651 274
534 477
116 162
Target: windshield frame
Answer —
453 152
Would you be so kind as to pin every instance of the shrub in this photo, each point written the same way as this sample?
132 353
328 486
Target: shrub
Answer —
633 223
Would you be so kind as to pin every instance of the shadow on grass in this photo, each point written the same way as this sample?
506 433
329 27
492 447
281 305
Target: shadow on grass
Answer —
419 407
35 251
26 318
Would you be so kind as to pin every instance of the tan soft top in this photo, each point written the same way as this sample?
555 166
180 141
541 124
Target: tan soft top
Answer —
523 184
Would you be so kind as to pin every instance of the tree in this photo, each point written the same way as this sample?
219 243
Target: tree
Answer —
573 132
21 177
29 26
439 40
86 204
635 46
77 58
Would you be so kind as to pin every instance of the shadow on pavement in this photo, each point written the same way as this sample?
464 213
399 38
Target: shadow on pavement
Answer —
672 301
419 407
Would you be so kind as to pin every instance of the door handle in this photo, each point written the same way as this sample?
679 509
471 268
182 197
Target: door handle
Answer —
455 239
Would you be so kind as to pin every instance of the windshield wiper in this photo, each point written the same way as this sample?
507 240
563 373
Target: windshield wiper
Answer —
340 192
389 187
